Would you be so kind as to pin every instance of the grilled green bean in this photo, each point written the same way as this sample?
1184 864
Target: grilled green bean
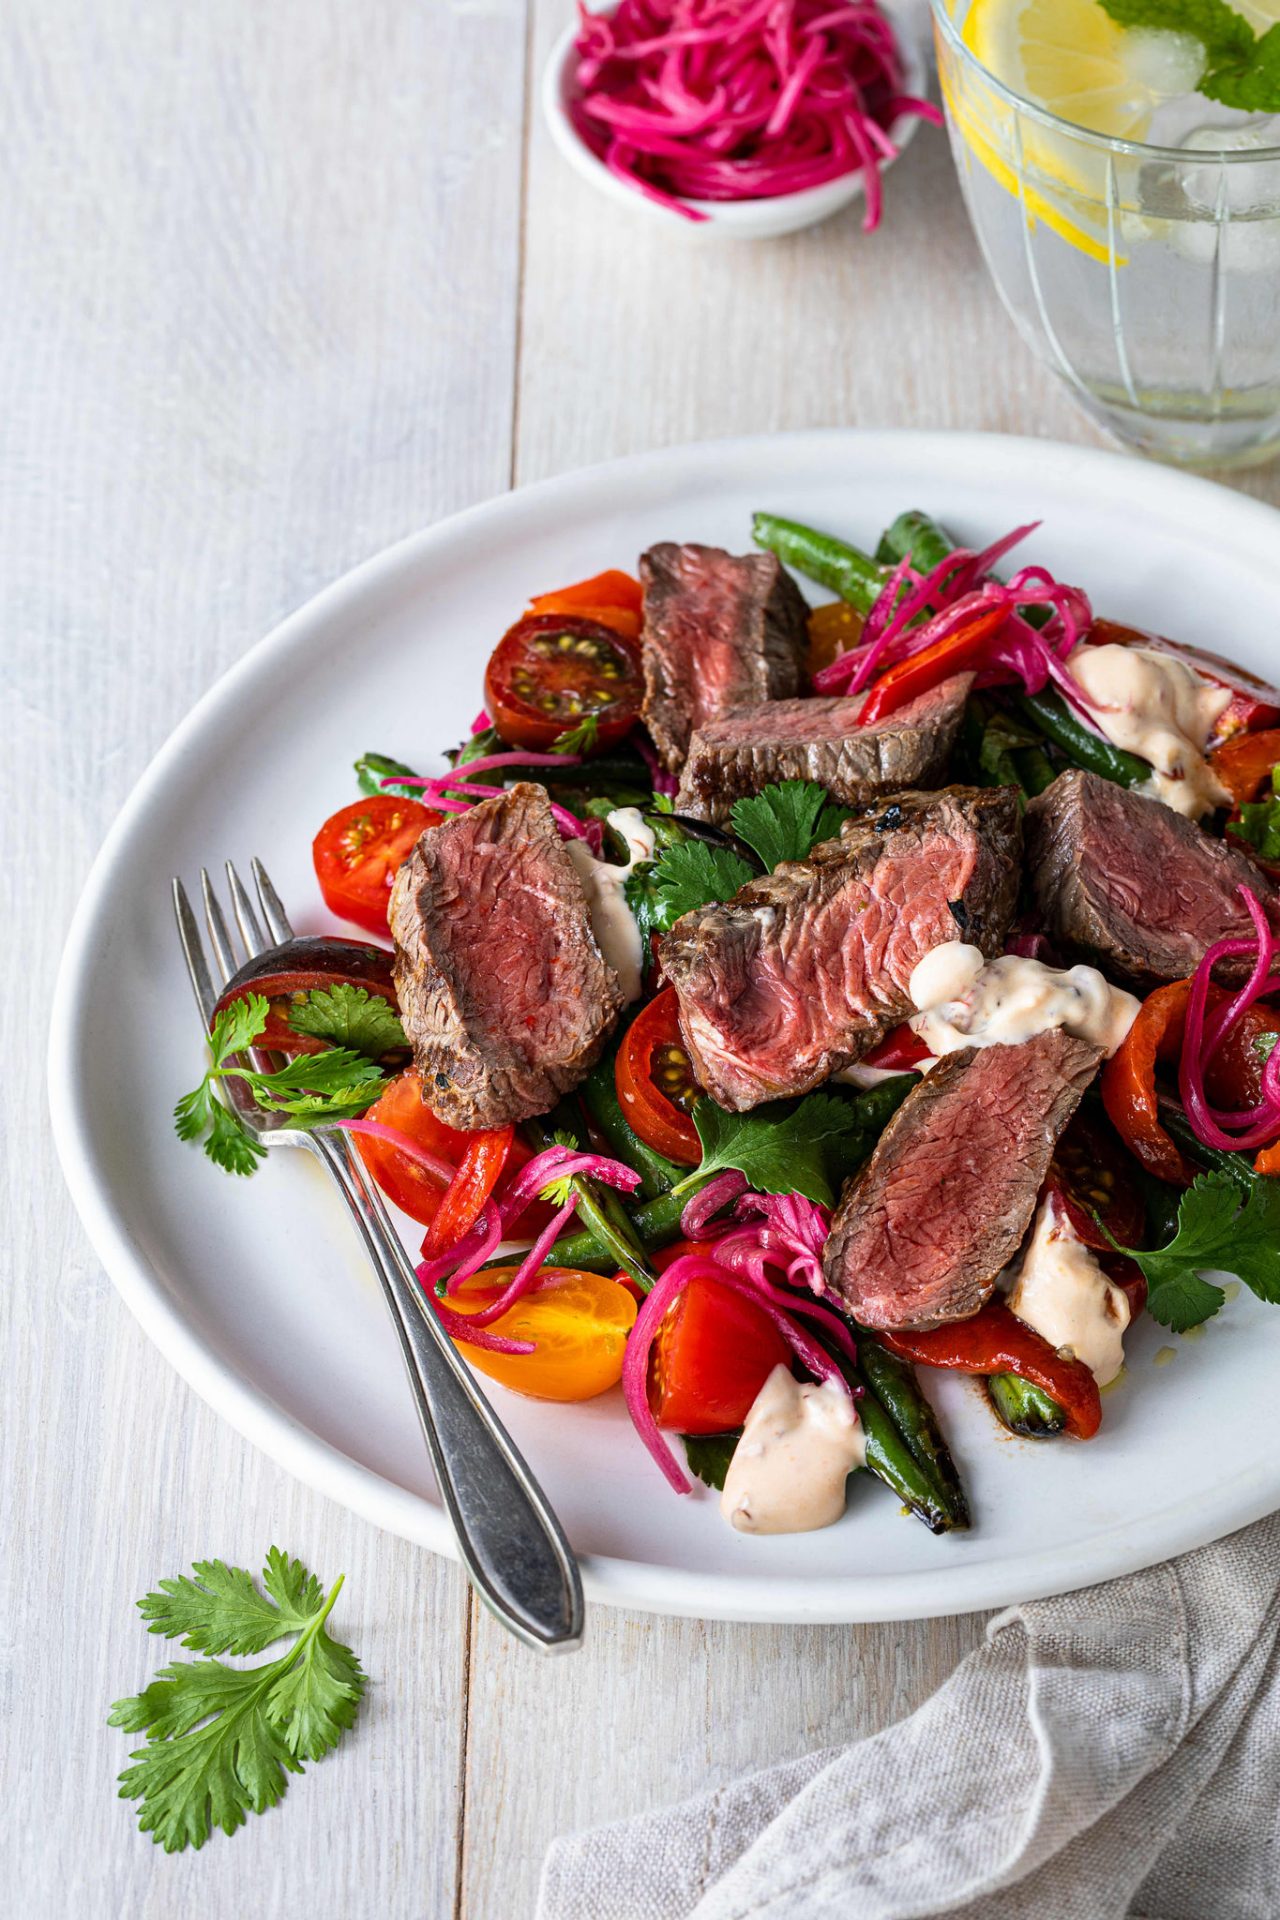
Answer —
834 564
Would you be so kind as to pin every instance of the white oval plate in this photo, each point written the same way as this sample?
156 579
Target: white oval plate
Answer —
254 1289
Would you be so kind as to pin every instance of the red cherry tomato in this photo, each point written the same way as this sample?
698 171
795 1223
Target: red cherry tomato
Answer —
712 1354
413 1189
359 850
1089 1176
552 670
318 963
655 1082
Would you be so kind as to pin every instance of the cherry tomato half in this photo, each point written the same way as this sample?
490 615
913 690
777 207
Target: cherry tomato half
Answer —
655 1082
578 1323
1089 1175
412 1188
712 1354
552 670
318 963
360 849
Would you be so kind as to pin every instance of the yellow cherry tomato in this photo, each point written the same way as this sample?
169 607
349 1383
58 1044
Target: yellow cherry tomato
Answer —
578 1323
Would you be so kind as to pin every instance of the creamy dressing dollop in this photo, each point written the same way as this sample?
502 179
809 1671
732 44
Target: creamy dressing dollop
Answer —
800 1442
1062 1292
1155 705
612 921
965 1000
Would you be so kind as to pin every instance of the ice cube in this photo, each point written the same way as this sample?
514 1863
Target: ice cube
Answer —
1235 186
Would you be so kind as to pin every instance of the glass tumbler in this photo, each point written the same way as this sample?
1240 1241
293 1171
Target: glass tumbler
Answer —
1148 277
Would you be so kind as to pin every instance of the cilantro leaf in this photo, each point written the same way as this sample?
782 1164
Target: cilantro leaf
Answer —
1222 32
230 1144
1259 824
350 1016
782 1147
709 1455
200 1115
335 1085
1217 1234
220 1740
221 1610
787 820
378 773
238 1026
687 876
580 739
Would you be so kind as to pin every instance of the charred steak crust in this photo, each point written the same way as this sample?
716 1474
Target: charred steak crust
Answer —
804 970
1128 883
720 630
923 1229
820 739
504 993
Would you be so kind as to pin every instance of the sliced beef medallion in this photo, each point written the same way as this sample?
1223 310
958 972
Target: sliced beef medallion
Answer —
720 630
503 990
803 971
1127 883
942 1205
820 739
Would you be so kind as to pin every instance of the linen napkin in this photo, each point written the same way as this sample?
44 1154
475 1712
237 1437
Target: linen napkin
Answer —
1113 1752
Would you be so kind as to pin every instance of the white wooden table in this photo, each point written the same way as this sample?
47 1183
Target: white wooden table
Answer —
279 284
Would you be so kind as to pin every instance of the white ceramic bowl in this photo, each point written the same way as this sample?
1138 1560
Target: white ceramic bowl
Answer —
725 219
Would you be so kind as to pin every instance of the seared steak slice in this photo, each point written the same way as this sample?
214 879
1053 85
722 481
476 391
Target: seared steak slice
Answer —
503 990
821 740
720 630
1128 883
943 1203
803 971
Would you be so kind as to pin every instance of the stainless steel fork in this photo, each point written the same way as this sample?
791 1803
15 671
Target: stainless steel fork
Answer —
511 1543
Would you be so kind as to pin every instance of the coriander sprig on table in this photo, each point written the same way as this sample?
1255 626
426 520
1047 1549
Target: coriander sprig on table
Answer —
220 1739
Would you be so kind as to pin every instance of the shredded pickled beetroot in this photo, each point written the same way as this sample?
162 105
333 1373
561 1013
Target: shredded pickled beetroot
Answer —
1205 1032
740 99
953 593
443 791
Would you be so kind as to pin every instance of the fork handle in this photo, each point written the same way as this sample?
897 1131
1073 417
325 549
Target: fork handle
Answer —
511 1543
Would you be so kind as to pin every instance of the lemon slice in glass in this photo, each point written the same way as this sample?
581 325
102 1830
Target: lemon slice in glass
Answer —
1071 57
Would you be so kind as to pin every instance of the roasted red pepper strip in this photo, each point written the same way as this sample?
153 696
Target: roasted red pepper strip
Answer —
996 1341
958 652
613 598
1129 1083
482 1162
1245 762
